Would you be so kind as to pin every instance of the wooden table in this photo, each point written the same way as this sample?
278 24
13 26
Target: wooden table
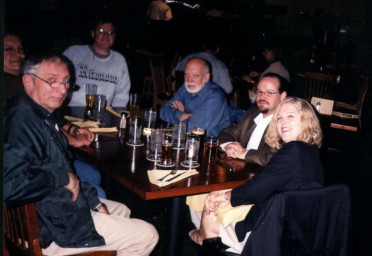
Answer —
128 166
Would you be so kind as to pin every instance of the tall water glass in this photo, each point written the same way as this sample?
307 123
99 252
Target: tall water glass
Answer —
192 151
135 131
156 142
99 108
178 136
149 121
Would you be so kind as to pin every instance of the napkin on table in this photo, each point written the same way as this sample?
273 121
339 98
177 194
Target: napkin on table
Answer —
154 175
103 129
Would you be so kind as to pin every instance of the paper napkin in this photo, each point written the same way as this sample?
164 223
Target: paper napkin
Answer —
154 175
103 129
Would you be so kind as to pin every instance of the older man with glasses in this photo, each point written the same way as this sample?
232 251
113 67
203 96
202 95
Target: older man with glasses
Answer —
99 64
38 169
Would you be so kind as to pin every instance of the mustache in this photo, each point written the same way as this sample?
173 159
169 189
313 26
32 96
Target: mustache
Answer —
264 101
191 84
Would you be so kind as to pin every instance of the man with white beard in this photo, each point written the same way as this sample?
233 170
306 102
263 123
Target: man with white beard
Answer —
199 102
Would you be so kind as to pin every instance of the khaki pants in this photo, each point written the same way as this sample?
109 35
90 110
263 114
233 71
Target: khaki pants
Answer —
129 237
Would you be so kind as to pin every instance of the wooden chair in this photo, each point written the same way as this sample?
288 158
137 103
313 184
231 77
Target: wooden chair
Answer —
162 91
352 111
21 233
148 81
318 85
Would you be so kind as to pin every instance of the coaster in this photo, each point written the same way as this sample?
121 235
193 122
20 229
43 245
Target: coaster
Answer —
135 145
190 164
166 165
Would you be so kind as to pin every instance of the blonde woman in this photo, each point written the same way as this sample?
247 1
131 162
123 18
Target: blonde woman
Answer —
296 133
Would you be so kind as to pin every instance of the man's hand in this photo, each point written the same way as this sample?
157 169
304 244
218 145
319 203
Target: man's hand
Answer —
73 186
178 105
84 135
235 150
78 137
185 116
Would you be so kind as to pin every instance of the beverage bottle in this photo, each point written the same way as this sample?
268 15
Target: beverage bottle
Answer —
123 125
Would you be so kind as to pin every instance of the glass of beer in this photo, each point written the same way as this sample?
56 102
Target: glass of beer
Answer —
90 95
166 158
199 132
210 149
134 104
192 151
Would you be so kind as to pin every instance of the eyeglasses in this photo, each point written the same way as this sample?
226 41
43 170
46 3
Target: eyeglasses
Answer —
101 31
267 93
53 83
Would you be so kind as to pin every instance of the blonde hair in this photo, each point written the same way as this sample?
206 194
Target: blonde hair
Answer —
311 131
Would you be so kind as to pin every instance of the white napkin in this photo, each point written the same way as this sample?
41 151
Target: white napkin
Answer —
154 175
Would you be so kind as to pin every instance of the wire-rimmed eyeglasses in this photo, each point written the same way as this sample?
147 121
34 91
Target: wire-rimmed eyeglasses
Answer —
53 83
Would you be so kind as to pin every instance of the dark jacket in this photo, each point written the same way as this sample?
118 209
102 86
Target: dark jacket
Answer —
304 222
241 132
36 165
295 166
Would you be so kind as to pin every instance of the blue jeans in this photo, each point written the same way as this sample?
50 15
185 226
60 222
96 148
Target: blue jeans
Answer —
89 173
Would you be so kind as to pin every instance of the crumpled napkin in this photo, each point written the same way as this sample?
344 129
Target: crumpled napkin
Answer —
154 175
226 216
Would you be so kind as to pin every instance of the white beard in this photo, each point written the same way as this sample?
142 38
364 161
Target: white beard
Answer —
196 90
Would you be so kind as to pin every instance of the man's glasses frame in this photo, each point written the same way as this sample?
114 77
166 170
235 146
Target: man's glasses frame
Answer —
267 93
53 84
101 31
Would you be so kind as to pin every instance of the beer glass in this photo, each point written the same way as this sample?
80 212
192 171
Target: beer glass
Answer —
166 157
135 131
210 149
156 142
90 93
134 102
192 151
199 132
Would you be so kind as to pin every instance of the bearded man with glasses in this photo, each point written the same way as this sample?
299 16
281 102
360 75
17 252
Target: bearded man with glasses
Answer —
244 140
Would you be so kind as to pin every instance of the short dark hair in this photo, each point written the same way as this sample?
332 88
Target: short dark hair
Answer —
103 19
284 85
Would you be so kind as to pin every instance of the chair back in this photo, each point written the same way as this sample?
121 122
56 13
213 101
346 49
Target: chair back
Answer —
162 91
21 230
318 85
304 222
21 233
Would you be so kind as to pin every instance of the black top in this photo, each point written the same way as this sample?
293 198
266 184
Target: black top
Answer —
36 165
295 166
